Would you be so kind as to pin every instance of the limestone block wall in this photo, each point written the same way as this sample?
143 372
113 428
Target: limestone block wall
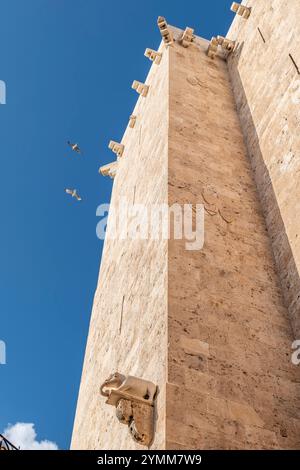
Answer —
230 380
129 319
265 75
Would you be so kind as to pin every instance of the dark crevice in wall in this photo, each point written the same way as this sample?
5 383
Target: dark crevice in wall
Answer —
294 62
121 315
134 190
261 34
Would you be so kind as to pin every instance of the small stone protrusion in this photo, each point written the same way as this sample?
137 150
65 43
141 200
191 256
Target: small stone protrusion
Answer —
141 88
109 170
213 48
132 121
154 56
165 31
187 37
226 44
116 148
241 10
134 400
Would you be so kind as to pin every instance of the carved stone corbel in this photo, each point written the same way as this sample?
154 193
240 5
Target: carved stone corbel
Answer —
187 37
241 10
140 88
213 48
109 170
165 32
132 121
134 401
226 44
154 56
117 148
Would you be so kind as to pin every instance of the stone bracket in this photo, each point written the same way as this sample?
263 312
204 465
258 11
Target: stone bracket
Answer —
187 37
165 32
154 56
241 10
226 44
109 170
132 121
117 148
140 88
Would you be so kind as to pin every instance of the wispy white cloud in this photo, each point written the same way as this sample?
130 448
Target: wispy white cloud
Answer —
23 435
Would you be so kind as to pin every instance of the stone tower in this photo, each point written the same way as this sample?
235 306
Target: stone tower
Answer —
216 123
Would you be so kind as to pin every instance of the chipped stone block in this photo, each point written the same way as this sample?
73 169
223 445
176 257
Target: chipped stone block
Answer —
109 170
165 32
154 56
187 37
241 10
141 88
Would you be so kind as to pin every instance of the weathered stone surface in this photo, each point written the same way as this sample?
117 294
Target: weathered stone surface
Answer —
142 425
124 411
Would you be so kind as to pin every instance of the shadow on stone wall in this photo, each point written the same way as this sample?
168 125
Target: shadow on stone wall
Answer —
285 262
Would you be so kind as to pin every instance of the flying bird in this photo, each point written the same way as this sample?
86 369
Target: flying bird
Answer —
73 193
74 147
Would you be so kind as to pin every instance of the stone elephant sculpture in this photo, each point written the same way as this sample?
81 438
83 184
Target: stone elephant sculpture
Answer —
136 387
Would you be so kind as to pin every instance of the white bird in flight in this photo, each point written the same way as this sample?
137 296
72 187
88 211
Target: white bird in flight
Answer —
73 193
74 147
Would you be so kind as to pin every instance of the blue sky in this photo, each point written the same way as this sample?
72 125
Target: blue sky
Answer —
68 66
